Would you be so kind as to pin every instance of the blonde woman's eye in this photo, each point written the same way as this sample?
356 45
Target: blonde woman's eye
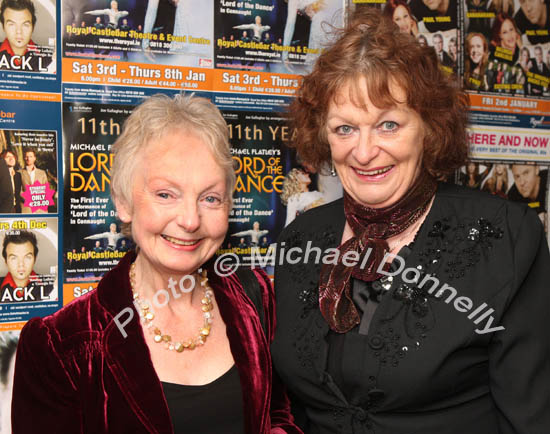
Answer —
212 199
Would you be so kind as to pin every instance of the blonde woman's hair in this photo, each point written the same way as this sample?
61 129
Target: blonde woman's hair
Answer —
291 185
157 116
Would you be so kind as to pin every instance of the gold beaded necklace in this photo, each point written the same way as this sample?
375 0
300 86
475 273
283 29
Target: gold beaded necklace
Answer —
147 317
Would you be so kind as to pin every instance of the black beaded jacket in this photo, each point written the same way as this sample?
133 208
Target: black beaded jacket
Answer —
469 357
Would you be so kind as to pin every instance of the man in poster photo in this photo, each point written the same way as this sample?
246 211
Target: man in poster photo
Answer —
21 284
442 55
10 159
6 189
30 174
18 51
437 15
539 68
530 187
533 21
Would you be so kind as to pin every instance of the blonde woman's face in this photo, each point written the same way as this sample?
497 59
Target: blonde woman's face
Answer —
180 207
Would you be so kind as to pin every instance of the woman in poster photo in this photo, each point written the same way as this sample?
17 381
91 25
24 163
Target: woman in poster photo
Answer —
525 64
475 64
472 178
497 181
366 340
453 52
296 195
505 40
400 13
198 361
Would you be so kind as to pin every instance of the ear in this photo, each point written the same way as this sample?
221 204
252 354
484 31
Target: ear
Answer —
124 211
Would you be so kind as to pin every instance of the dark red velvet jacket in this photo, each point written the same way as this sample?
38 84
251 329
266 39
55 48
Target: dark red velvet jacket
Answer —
76 373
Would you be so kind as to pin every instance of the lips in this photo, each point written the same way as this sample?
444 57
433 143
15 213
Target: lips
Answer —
180 242
376 172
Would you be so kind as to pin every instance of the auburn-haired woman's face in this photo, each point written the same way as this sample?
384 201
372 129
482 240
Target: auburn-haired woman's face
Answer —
477 49
402 18
377 152
508 35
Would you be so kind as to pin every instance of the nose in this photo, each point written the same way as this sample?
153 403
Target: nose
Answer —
366 149
188 216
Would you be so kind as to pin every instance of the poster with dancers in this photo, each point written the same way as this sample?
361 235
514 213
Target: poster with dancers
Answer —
282 36
272 186
93 242
144 31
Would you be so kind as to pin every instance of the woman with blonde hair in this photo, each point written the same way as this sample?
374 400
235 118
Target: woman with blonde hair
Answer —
199 360
497 182
296 195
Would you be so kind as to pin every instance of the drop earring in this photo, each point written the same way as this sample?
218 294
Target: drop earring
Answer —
332 171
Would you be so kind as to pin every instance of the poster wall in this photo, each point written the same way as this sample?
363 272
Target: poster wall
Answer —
92 242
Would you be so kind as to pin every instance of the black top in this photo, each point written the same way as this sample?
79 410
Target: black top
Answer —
428 364
205 409
345 349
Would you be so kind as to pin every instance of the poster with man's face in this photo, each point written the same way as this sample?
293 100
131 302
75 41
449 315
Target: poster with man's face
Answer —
27 35
517 181
28 268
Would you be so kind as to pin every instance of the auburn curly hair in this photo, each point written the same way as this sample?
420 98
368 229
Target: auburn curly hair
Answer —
371 47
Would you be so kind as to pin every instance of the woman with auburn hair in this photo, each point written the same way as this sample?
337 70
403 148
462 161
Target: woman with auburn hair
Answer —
133 357
505 39
476 62
409 305
400 13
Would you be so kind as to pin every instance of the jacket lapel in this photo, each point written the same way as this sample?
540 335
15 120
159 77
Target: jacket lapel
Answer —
249 348
337 221
128 357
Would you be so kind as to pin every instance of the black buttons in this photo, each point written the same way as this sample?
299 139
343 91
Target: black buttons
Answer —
376 342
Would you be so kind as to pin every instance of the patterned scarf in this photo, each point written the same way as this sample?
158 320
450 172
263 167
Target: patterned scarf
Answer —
371 228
